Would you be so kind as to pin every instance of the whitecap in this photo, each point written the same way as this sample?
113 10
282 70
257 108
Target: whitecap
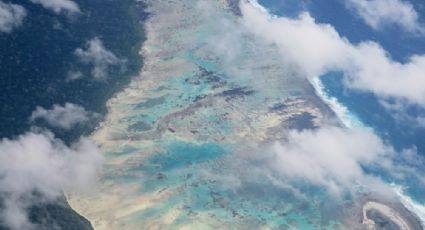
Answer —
349 119
412 205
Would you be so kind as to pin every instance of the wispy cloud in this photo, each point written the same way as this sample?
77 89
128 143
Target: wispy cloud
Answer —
335 158
95 54
331 157
318 48
64 117
379 14
74 75
11 16
59 6
37 168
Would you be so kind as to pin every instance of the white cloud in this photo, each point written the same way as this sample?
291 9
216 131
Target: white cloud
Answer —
335 158
64 117
381 13
42 164
318 48
399 111
74 75
11 16
331 157
59 6
97 55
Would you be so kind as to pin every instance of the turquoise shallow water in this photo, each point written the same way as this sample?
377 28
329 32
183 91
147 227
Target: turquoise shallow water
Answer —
197 171
183 142
400 130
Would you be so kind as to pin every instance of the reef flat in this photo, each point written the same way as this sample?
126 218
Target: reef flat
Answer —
174 139
375 213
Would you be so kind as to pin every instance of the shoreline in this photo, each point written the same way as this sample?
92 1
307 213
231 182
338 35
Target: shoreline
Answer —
411 205
390 213
161 66
139 16
377 212
350 120
114 135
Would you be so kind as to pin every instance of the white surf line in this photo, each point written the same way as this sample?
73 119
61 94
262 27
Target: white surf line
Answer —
387 211
349 119
410 204
257 5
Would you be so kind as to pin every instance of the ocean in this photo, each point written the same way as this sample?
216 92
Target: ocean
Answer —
364 109
177 138
35 61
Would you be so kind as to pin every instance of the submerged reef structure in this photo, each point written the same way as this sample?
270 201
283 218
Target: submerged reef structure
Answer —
175 140
379 213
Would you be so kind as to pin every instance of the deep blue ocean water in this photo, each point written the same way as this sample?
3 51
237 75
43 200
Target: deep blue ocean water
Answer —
35 60
363 104
400 133
398 43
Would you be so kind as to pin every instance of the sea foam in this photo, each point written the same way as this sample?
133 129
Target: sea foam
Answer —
257 5
349 119
410 204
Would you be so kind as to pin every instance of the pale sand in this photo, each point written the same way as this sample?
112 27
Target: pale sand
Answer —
387 211
107 209
117 203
